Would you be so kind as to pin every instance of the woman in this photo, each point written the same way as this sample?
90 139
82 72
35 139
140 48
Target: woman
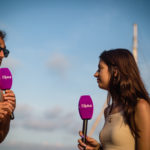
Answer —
127 115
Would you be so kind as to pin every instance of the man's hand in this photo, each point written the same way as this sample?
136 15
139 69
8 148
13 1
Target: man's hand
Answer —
8 104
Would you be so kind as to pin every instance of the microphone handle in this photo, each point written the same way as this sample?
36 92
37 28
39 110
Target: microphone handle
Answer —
12 116
84 130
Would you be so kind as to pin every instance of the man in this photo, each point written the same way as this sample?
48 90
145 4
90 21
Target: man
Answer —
7 99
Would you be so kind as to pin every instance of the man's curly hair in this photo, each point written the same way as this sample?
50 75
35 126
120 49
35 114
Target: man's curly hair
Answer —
2 34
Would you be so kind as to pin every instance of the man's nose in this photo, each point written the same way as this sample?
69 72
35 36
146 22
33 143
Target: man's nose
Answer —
1 54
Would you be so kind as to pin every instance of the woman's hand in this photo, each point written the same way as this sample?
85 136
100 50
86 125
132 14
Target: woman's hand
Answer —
91 144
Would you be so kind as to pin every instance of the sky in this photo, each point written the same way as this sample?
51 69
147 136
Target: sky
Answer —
54 52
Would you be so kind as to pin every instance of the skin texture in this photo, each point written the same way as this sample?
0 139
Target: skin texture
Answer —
102 75
142 121
8 104
2 44
142 115
91 144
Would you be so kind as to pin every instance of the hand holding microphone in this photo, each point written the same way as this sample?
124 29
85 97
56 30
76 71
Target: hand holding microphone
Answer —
86 113
8 103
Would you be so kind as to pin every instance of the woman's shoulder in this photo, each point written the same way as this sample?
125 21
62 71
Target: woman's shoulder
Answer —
142 105
142 113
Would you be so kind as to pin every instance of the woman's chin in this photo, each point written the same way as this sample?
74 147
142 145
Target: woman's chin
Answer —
102 87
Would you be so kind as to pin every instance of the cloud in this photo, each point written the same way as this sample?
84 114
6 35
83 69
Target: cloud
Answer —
40 125
54 112
63 123
23 111
67 120
58 63
53 119
31 146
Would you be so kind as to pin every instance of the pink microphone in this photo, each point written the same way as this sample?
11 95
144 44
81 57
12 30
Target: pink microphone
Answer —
6 81
86 112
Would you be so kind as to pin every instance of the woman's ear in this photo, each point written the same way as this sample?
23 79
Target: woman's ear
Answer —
115 72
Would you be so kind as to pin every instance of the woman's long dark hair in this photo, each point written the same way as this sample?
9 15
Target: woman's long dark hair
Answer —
127 86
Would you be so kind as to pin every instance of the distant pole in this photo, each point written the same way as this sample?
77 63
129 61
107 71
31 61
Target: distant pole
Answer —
135 54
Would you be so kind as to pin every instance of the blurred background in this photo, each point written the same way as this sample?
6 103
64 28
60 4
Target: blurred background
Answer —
54 52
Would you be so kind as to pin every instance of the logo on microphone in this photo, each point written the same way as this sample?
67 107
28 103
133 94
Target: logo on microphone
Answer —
6 77
86 106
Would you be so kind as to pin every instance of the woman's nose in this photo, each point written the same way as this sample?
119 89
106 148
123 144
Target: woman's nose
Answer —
95 74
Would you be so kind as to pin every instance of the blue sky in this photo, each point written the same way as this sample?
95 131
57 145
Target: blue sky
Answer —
54 49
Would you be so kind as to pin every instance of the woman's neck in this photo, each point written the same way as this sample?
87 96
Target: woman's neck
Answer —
116 105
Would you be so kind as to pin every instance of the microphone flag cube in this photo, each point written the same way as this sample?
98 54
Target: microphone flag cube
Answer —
86 107
5 79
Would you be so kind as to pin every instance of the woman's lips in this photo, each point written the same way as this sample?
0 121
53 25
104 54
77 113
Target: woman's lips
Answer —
98 80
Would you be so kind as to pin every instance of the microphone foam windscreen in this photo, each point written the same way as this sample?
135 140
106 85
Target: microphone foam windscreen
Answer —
86 107
5 79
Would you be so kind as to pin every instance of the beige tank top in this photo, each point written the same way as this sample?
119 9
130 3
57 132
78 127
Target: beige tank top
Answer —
116 134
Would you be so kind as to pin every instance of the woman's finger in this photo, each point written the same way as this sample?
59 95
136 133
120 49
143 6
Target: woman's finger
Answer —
92 141
80 133
80 147
87 147
81 143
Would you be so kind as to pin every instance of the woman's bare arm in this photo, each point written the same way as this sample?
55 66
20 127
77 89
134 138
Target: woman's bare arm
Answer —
142 122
